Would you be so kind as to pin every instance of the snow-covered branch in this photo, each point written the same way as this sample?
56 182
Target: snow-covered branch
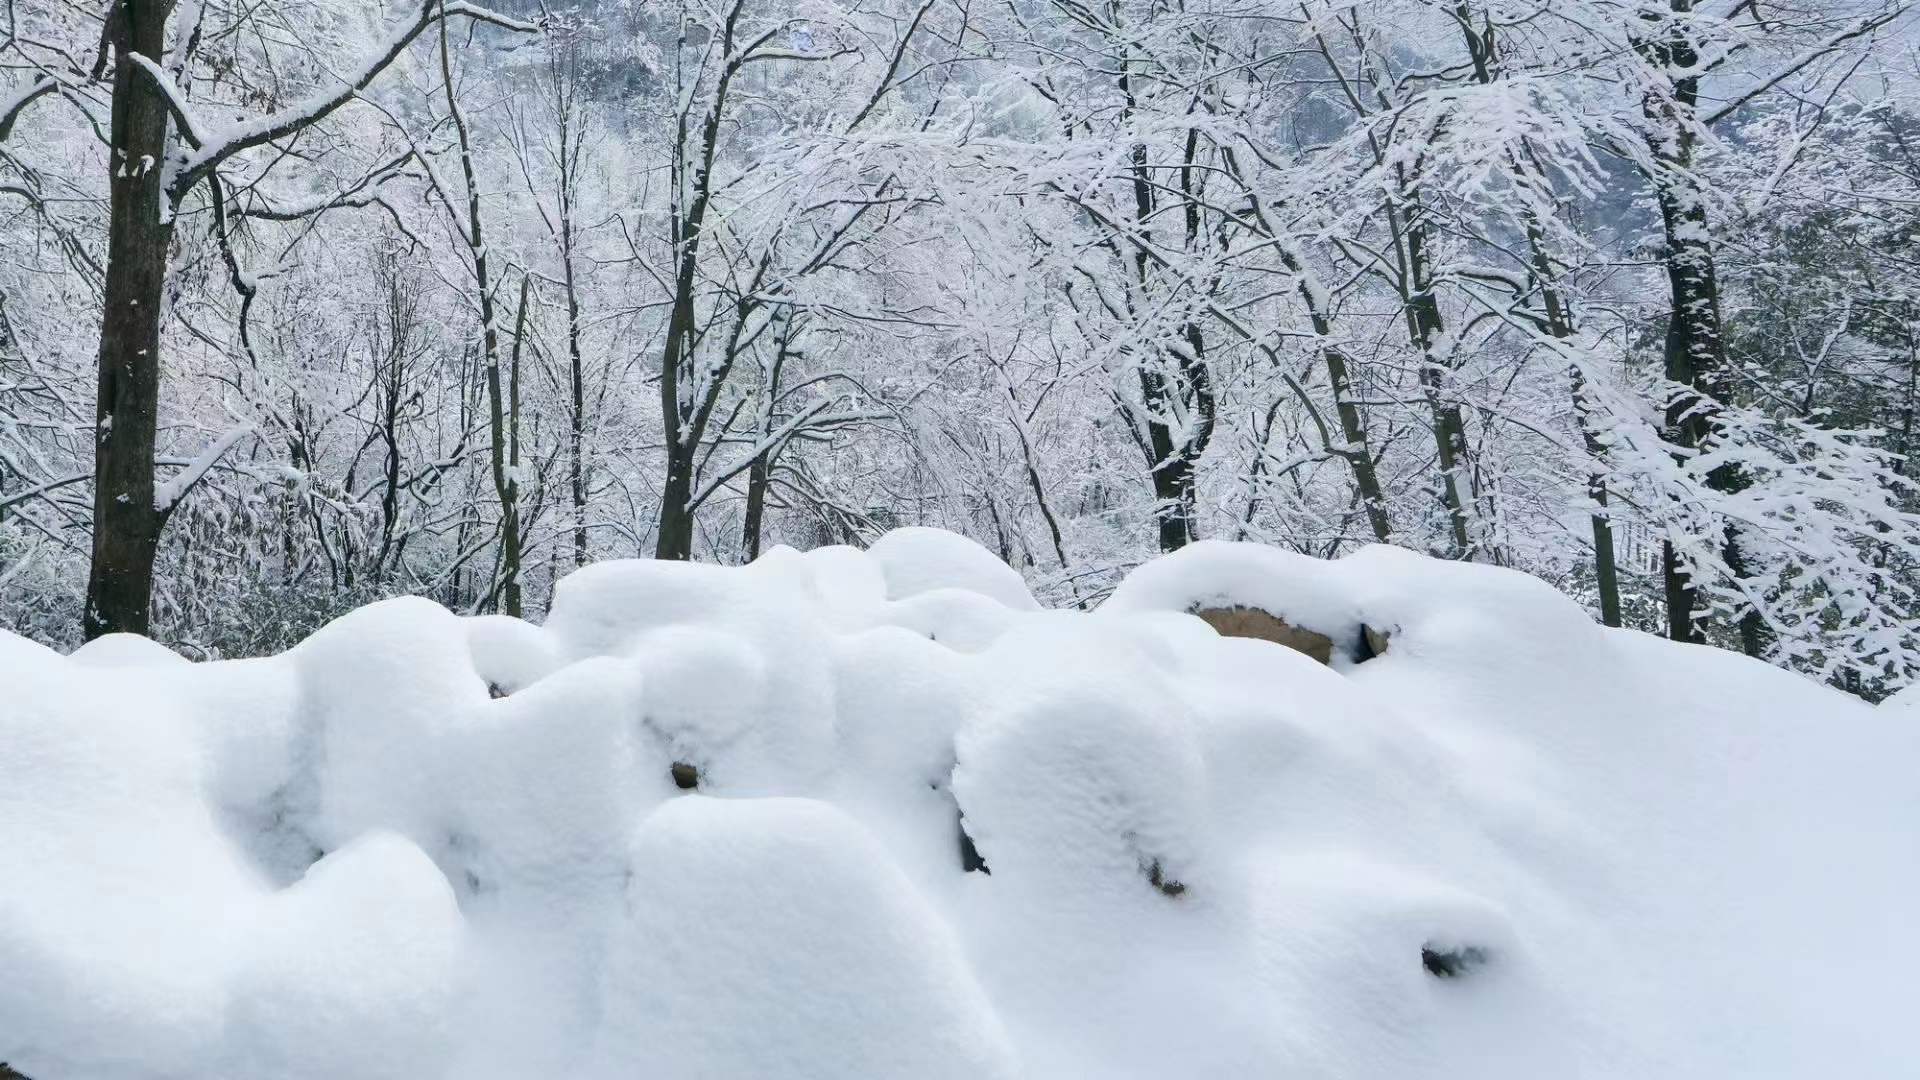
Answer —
220 144
167 495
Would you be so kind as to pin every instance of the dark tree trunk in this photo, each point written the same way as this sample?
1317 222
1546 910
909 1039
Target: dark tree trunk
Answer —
675 537
1694 354
1176 384
683 420
1353 430
126 522
1187 390
756 506
1173 494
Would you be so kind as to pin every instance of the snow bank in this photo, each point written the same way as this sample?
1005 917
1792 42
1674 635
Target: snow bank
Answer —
876 814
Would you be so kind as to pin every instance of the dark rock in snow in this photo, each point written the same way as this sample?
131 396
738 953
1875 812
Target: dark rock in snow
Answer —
1452 963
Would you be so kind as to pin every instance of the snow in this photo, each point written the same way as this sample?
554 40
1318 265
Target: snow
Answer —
710 983
917 560
125 650
1513 845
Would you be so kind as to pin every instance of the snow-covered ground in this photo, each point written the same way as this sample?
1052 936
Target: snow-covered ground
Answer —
1512 845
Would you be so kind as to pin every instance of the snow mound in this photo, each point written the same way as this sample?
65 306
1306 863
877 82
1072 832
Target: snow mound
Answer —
917 560
876 814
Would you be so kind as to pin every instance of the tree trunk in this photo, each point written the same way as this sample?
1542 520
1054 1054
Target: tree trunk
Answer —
576 375
1481 50
675 537
1449 430
1187 391
1606 572
505 479
1353 430
505 425
126 522
1694 354
576 422
756 506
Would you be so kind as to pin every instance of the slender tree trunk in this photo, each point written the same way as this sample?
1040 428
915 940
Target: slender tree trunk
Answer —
1606 571
1033 477
576 375
1366 478
505 482
760 473
576 423
504 422
1482 50
1449 430
1175 384
1353 428
126 522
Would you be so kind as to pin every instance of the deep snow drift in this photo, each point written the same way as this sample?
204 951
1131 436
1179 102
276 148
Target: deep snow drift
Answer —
707 822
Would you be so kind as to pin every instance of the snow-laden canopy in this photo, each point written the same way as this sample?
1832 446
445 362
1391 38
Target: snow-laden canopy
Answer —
849 814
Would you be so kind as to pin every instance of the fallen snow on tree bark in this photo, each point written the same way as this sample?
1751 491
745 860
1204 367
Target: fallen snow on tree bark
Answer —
851 815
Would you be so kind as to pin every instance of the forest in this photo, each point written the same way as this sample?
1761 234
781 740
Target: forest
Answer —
305 303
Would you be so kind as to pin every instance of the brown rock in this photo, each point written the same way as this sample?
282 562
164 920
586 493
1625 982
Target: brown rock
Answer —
1249 622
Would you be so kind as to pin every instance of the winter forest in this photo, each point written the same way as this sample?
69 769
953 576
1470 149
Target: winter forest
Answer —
305 303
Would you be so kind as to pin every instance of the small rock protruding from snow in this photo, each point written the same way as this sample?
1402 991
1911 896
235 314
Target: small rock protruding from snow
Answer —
1373 642
970 860
1444 962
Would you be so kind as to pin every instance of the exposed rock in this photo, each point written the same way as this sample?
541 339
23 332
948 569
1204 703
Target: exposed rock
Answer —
970 858
1375 640
1250 622
685 777
1452 963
